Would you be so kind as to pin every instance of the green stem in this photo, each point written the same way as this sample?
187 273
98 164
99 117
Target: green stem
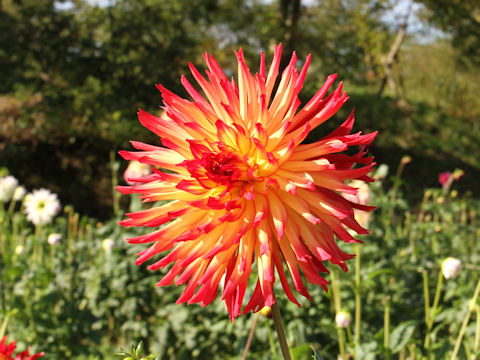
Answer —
277 320
358 299
338 307
386 334
471 306
433 309
3 327
476 344
336 291
273 347
341 343
115 194
426 295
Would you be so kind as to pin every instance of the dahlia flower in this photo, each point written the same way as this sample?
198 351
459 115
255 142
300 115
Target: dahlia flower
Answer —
41 206
8 184
362 197
244 190
6 352
444 177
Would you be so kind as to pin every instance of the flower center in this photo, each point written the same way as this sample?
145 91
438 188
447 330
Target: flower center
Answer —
3 357
223 168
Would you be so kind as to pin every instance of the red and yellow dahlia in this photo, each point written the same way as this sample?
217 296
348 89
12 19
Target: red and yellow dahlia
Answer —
243 189
7 350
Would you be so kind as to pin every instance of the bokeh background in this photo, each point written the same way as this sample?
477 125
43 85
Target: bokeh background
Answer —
73 74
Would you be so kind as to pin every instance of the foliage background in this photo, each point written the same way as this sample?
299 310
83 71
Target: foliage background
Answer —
73 74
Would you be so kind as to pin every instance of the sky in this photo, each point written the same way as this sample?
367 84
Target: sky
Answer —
422 32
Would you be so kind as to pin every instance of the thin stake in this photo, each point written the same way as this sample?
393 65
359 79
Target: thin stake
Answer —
250 336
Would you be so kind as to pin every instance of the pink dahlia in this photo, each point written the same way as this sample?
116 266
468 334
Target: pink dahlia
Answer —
243 190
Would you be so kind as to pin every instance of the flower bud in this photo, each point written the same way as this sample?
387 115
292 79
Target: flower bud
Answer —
8 184
108 245
19 193
405 160
343 319
266 311
451 267
19 250
134 171
54 238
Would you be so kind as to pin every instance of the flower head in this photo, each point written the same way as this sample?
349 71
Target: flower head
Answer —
8 185
451 267
447 178
7 350
245 192
54 238
443 178
136 170
41 206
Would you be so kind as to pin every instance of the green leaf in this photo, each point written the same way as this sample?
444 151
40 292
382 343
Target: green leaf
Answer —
401 335
366 351
301 352
316 355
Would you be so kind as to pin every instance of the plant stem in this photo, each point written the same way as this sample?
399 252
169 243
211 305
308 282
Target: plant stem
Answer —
358 299
3 327
273 348
338 307
433 309
476 343
386 333
426 295
115 194
250 336
471 306
277 320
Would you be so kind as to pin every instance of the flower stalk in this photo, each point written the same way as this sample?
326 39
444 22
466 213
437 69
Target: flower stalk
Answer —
471 307
358 299
277 320
433 310
386 334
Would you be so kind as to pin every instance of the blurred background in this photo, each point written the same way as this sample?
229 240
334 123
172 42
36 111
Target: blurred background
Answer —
73 74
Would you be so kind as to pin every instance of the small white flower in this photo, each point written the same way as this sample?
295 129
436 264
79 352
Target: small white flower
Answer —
41 206
451 267
54 238
343 319
7 187
19 193
108 245
19 249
